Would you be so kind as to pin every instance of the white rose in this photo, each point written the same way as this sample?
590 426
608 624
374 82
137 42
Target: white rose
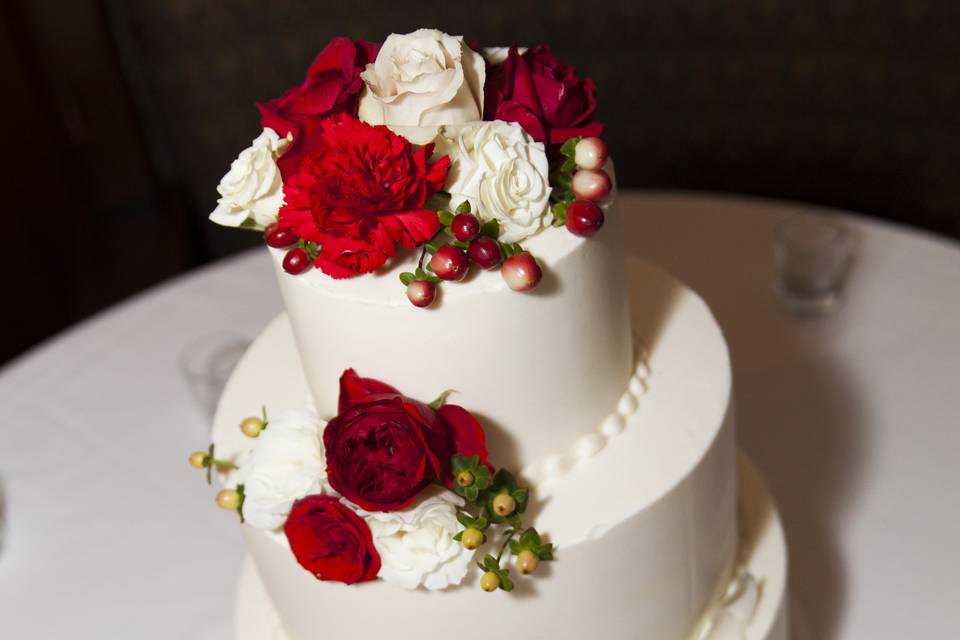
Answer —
253 188
503 172
416 546
286 464
423 78
498 55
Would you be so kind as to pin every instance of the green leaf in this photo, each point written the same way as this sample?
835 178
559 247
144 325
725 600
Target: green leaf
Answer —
491 229
560 214
421 274
544 552
439 200
209 465
431 247
463 207
490 563
516 547
445 217
434 280
440 400
521 496
471 493
459 536
406 278
243 495
569 148
568 166
461 244
505 582
465 519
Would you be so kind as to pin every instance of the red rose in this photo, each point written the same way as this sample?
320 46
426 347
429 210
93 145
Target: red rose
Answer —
359 192
332 86
383 448
331 541
543 95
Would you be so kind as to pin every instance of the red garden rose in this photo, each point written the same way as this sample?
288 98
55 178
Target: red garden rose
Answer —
332 85
359 191
543 95
383 448
331 541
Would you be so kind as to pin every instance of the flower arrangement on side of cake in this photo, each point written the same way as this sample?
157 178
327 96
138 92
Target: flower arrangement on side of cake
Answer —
422 143
390 488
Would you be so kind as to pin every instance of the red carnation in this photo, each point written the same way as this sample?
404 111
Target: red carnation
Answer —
332 85
359 191
384 448
331 541
543 95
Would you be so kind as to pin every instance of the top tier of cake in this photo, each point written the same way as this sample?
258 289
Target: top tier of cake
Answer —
540 369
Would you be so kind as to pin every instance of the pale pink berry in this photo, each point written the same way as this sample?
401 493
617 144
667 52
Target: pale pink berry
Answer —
421 293
590 153
589 184
521 272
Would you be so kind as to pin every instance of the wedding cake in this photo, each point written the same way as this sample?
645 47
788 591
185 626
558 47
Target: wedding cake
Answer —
476 415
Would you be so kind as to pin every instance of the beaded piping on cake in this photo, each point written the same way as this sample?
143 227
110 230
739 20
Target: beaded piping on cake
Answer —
590 444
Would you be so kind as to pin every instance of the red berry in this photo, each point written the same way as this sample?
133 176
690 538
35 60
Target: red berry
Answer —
296 261
485 253
421 293
521 272
278 237
449 263
465 227
590 185
584 218
590 153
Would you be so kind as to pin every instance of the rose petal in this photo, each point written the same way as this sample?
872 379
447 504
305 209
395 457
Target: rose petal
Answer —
353 388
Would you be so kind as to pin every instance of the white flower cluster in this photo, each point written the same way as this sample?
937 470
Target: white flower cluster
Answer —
416 545
252 191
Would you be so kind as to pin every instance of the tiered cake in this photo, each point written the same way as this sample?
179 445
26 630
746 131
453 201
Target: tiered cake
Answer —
578 460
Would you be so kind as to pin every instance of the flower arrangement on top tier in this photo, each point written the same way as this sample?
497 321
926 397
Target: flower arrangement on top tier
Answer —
422 142
390 488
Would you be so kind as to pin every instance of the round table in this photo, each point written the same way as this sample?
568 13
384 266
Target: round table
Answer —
851 416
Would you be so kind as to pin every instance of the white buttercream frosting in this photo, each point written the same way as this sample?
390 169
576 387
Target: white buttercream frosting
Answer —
423 78
502 172
252 190
285 464
416 545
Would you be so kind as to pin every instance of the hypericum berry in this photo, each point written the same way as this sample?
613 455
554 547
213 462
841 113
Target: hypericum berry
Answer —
465 227
278 237
252 426
472 538
449 263
485 253
589 184
584 218
228 499
421 293
590 153
527 562
198 459
490 581
521 272
504 505
296 261
465 479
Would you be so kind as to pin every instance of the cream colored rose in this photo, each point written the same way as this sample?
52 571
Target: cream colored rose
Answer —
252 190
503 172
423 78
416 545
286 464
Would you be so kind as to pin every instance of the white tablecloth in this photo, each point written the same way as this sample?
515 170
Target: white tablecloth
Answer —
853 418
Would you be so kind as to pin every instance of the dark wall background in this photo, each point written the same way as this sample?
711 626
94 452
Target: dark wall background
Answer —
121 116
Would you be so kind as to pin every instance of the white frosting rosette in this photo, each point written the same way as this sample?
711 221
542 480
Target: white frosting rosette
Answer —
286 464
253 187
416 545
421 79
503 172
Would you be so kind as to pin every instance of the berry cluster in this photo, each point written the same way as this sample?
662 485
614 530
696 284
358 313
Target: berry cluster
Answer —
578 184
229 499
462 241
300 253
496 500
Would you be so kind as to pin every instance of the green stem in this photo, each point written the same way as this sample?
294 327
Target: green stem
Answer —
221 464
506 541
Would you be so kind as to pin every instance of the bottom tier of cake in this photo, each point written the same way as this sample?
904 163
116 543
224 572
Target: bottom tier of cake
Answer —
734 616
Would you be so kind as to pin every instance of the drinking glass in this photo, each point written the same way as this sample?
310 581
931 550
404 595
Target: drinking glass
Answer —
812 254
